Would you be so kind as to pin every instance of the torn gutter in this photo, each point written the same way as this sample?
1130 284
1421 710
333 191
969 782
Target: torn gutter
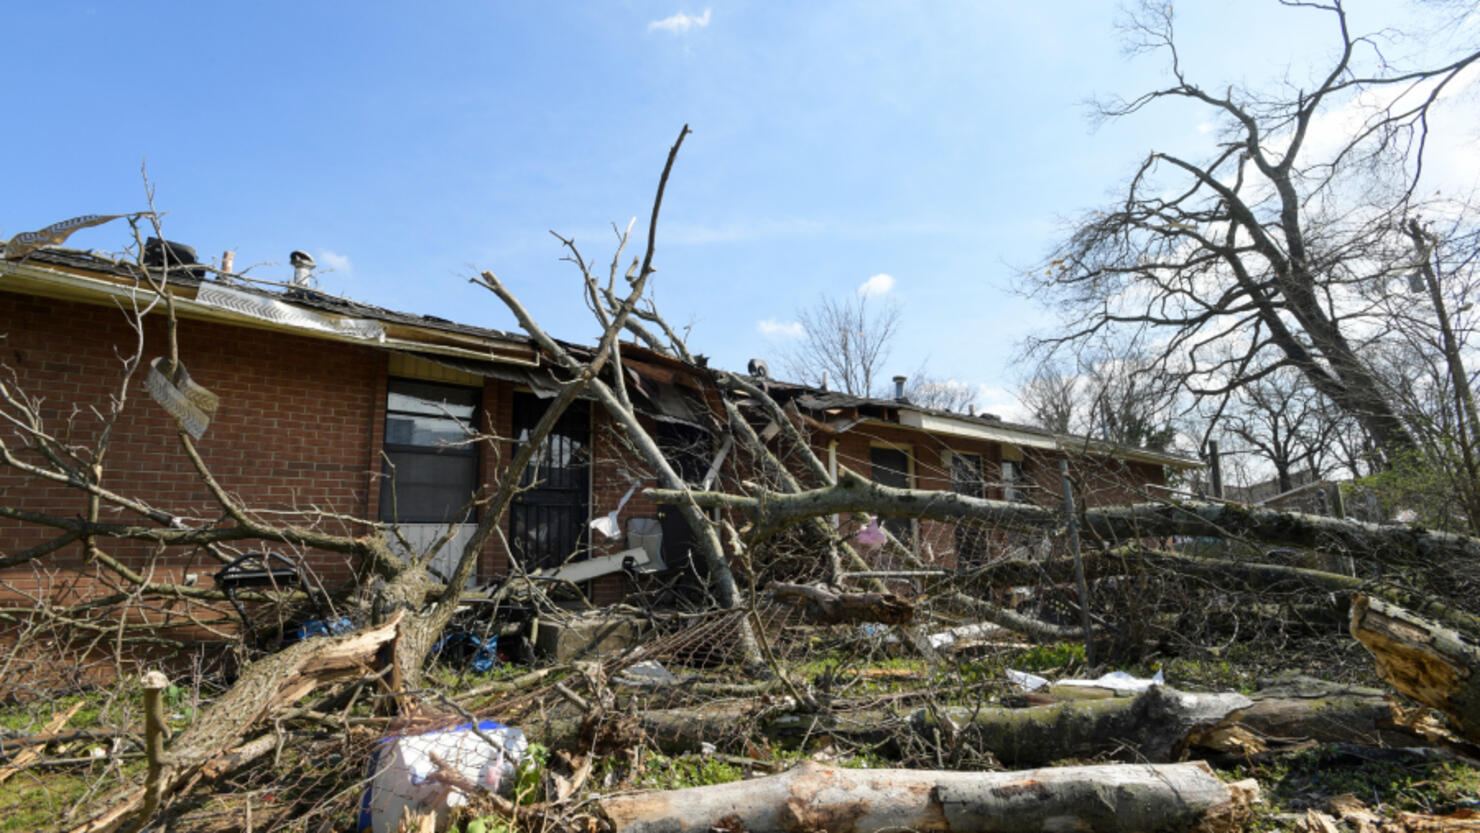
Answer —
252 305
72 284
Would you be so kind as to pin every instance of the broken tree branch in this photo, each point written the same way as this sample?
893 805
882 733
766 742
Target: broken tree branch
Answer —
826 606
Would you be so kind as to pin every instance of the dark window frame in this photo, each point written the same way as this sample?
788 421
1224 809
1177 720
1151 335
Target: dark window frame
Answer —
548 521
468 396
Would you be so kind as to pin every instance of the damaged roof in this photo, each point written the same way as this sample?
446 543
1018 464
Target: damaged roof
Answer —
192 276
659 381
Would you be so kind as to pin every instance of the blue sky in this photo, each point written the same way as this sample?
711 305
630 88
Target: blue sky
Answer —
942 144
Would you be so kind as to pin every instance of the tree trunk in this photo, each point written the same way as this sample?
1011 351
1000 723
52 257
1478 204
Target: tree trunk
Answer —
813 797
1432 664
1303 708
1159 725
1156 725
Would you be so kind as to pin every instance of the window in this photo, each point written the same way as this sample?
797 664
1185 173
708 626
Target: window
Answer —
891 467
434 475
1012 481
967 479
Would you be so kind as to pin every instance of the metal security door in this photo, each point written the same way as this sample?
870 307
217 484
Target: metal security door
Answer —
547 520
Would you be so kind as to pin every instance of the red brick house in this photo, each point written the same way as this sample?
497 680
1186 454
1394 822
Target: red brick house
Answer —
321 397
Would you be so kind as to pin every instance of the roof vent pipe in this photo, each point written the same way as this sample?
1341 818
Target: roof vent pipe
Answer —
970 409
302 268
824 380
899 388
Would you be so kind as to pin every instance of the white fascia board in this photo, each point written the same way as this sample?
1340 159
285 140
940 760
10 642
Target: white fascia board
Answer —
975 429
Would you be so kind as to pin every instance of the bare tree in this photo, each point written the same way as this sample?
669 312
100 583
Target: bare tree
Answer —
926 391
1049 395
845 343
1285 424
1126 399
1253 256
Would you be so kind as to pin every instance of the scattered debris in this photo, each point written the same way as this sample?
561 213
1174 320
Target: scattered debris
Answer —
435 771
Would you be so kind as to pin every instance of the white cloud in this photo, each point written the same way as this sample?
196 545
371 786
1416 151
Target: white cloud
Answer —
680 23
336 261
771 328
879 284
1205 127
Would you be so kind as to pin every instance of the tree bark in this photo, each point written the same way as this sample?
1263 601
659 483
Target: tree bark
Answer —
813 797
1303 708
1158 725
1426 661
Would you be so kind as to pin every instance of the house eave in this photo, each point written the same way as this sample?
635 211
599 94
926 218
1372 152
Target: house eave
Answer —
73 285
978 430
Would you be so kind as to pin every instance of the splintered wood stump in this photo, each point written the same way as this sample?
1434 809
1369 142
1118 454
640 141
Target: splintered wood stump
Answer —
825 606
813 797
1432 664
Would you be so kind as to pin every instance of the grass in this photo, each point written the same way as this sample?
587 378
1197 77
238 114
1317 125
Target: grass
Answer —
662 772
36 799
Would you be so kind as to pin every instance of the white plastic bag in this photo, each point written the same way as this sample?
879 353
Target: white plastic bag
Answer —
401 769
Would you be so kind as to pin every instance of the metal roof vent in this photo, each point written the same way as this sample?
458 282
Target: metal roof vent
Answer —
302 268
759 369
899 388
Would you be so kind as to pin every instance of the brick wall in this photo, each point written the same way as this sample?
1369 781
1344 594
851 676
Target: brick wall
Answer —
295 425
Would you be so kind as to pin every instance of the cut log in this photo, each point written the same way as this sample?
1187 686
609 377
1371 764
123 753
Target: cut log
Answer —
1432 664
813 797
825 606
1156 725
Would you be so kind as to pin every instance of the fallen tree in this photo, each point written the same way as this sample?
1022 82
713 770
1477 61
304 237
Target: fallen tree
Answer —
266 686
816 797
770 512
